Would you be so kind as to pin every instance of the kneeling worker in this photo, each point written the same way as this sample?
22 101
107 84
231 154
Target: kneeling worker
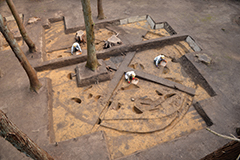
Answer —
159 59
130 75
75 47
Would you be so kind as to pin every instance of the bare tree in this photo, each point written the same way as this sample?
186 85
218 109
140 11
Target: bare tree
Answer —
34 82
92 62
21 27
100 10
19 140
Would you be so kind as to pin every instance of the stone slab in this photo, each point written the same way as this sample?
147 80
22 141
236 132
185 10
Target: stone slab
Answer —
193 44
91 147
142 18
133 19
86 76
204 58
159 25
151 22
136 19
123 21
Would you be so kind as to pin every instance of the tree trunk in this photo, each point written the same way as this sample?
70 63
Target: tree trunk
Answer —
19 140
21 27
100 10
228 152
34 82
92 62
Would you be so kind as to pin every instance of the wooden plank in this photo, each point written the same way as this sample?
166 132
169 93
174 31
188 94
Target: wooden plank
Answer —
202 113
163 81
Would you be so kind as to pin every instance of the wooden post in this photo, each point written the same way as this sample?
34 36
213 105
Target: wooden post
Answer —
19 140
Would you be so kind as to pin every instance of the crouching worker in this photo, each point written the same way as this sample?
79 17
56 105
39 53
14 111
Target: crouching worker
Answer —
80 37
130 75
76 47
159 59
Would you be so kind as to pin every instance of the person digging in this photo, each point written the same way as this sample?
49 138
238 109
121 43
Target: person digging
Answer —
129 76
160 60
76 48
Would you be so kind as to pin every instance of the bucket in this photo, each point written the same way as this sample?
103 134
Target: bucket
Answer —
163 63
135 81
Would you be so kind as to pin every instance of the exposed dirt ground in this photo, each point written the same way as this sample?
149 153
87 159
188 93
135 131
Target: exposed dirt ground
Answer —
141 121
156 115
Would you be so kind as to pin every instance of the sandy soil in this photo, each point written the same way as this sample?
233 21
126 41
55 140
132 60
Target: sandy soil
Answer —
138 116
